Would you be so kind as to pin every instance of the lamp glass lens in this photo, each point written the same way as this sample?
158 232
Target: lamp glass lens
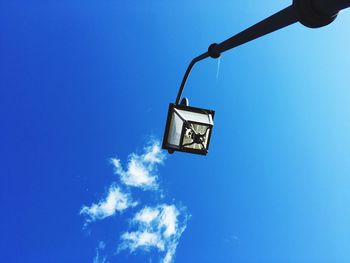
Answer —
196 136
175 130
204 117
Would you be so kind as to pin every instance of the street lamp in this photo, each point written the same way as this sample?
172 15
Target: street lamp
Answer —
188 129
310 13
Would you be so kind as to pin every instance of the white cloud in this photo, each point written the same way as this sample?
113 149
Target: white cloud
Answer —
157 228
146 215
115 201
142 239
169 256
153 228
153 154
141 169
168 220
98 258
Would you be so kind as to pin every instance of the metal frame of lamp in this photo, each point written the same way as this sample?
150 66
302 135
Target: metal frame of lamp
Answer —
188 129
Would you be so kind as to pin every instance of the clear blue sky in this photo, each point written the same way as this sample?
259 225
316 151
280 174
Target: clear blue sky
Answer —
84 81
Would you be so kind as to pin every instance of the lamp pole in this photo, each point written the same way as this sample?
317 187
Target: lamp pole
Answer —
310 13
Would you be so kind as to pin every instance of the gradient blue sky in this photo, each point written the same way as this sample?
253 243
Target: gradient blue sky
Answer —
83 81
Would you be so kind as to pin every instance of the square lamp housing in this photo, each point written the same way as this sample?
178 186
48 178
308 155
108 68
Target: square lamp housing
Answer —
188 129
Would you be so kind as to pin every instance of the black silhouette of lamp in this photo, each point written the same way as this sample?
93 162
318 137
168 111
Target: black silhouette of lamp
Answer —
310 13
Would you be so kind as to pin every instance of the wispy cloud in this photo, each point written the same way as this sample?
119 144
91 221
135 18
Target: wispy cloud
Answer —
98 258
115 201
157 228
141 169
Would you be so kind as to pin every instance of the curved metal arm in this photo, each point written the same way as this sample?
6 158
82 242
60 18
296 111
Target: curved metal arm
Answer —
190 66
